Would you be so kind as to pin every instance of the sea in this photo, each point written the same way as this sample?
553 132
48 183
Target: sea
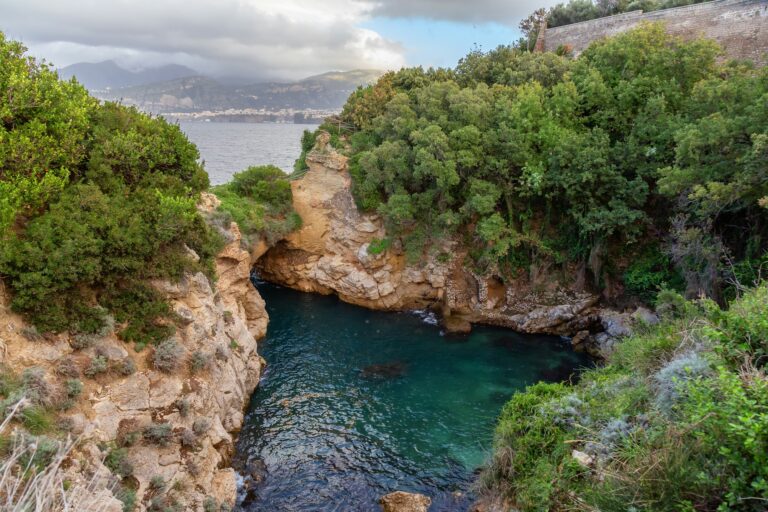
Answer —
227 148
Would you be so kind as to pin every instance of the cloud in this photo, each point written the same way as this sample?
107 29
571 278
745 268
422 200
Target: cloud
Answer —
256 38
474 11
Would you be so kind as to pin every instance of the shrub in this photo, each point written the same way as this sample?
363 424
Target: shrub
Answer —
188 438
82 341
126 366
31 333
200 361
160 434
35 387
259 199
201 426
157 483
99 365
671 380
67 367
378 246
210 504
184 407
129 499
168 356
74 388
117 462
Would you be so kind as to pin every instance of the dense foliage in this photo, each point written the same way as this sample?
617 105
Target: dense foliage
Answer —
575 11
259 199
94 200
536 157
677 420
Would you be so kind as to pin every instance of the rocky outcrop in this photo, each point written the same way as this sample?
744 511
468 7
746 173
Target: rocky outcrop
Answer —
400 501
336 251
202 402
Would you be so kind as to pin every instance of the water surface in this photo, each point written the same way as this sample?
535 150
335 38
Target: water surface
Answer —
356 403
228 148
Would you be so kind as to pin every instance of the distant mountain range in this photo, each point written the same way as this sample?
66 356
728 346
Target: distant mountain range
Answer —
108 74
178 89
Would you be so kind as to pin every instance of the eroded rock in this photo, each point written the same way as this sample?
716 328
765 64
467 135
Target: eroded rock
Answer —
400 501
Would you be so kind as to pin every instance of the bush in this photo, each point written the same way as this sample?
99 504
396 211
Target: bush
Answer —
36 388
200 361
67 367
160 434
99 365
259 199
74 388
117 462
168 356
126 366
201 426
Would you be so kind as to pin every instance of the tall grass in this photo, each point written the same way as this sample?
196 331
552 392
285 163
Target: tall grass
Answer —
32 475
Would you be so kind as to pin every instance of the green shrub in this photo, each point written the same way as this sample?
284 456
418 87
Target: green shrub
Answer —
168 356
117 462
379 246
160 434
74 388
98 365
200 361
259 199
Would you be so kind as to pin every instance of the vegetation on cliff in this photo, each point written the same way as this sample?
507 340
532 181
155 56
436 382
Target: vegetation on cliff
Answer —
575 11
677 420
259 199
94 200
644 149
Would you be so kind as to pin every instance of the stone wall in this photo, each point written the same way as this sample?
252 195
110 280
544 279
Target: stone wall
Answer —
740 26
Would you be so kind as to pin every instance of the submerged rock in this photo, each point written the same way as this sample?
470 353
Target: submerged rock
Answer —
384 371
400 501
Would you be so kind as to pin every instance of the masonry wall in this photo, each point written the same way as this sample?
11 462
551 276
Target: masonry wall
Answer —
740 26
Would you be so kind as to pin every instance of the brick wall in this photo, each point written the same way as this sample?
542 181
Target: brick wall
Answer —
740 26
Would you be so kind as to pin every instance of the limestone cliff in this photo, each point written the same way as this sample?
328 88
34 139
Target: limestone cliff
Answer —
223 323
329 254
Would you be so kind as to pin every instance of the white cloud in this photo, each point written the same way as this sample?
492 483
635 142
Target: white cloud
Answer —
256 38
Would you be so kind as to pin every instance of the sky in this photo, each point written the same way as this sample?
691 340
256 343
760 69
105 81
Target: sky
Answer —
263 39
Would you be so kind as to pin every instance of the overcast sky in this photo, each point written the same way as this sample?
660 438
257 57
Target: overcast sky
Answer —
263 38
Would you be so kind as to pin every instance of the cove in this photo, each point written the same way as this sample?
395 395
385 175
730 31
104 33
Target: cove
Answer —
357 403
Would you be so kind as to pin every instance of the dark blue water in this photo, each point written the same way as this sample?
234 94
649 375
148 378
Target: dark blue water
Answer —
355 404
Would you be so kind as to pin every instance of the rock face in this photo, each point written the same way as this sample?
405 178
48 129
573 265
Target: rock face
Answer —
330 254
400 501
219 326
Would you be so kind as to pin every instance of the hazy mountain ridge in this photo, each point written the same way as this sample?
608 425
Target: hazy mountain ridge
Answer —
109 75
325 92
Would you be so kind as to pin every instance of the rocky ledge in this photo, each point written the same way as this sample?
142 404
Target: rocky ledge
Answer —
220 326
331 254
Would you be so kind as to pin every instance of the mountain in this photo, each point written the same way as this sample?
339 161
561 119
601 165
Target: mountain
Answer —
326 92
109 75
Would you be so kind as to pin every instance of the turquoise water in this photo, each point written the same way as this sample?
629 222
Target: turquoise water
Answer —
356 403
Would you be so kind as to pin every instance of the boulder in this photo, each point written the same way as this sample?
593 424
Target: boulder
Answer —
400 501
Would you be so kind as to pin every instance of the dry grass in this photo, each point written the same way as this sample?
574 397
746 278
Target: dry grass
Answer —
25 486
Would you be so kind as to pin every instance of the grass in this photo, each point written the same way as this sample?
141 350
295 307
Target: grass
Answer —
32 478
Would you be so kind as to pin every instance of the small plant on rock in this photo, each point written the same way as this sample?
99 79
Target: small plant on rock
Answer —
200 361
67 367
201 426
98 366
74 388
126 366
117 462
158 433
168 356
